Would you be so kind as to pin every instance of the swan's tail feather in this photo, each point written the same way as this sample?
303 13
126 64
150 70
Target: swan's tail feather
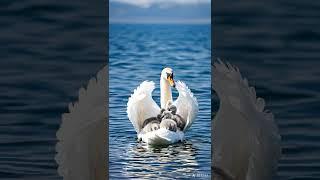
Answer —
162 136
158 140
81 149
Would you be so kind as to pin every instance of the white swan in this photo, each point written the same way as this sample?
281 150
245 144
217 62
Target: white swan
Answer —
246 142
82 148
141 106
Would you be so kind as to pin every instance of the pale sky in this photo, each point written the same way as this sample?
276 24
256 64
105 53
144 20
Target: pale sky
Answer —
160 11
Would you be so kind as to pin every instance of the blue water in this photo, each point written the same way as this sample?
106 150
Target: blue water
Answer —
49 49
138 53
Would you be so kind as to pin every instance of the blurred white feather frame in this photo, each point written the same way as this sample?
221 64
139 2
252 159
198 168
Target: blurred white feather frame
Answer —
246 141
82 146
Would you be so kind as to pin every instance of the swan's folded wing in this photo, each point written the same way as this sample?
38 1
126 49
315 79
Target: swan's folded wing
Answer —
243 129
81 150
141 105
187 105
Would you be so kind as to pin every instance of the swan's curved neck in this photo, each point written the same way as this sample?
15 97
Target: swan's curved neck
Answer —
165 92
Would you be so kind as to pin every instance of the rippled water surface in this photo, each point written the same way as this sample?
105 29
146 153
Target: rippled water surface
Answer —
138 53
49 49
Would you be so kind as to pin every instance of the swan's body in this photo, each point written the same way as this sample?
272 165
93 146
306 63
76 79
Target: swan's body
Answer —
246 142
82 147
141 106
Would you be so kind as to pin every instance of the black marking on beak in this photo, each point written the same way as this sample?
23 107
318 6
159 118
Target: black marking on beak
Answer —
170 78
168 75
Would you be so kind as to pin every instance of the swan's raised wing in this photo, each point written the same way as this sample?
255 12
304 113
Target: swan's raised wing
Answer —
246 142
141 105
187 105
81 150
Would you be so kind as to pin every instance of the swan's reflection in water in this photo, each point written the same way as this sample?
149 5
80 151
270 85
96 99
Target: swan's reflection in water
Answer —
171 162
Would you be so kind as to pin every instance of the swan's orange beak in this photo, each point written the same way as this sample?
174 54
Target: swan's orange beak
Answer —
171 81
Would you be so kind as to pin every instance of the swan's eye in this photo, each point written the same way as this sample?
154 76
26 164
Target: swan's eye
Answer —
170 75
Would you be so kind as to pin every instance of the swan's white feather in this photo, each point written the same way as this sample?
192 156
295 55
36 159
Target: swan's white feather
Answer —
81 149
187 105
141 106
246 141
161 136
